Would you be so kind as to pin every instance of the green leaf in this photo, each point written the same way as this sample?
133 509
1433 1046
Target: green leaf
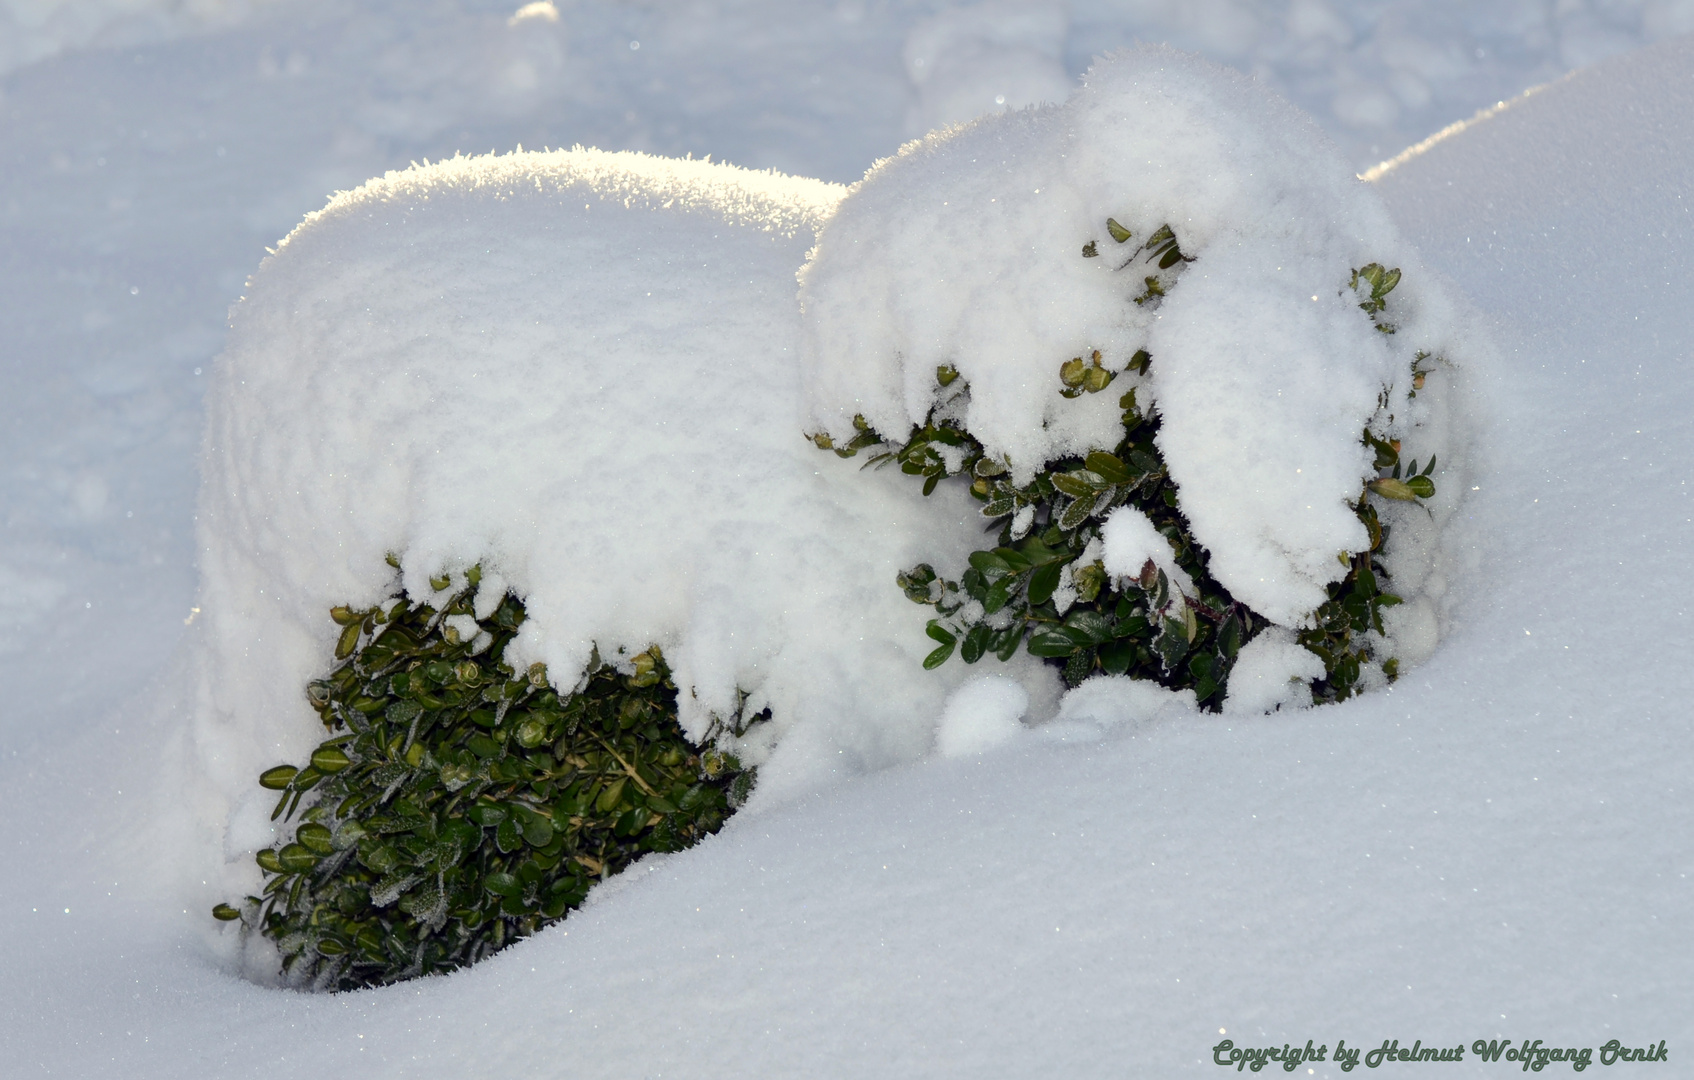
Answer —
1421 486
278 778
1390 488
330 759
538 831
1043 581
1116 656
609 800
1053 644
507 836
1076 513
225 913
345 644
314 837
1108 468
503 884
991 564
1119 233
532 732
1172 643
1017 560
1090 623
940 633
486 814
937 658
296 859
268 861
1006 642
976 643
1036 552
1078 484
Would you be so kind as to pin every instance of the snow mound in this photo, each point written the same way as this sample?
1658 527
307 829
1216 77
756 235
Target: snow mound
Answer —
1273 672
971 248
576 369
981 715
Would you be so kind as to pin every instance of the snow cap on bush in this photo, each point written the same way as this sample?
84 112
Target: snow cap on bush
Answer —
986 248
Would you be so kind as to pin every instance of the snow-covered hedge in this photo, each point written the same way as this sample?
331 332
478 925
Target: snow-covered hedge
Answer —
586 375
577 370
1173 231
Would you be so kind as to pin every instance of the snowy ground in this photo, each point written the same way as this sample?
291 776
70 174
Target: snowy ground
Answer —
1498 847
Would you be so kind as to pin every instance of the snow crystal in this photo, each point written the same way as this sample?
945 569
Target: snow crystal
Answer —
971 249
984 713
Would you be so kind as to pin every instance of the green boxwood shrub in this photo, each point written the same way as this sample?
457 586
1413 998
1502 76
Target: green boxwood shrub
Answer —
1032 589
459 804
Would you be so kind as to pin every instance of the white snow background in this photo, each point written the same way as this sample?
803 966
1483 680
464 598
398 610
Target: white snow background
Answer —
1499 845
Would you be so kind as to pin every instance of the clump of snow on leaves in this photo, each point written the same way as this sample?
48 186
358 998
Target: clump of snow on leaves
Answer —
971 249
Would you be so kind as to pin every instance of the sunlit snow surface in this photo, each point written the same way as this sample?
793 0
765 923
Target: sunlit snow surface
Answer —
1498 847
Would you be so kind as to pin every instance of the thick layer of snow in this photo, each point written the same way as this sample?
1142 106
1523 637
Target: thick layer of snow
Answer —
1498 848
968 250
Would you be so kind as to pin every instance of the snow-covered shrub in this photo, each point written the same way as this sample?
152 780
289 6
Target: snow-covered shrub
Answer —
461 804
576 370
1178 235
1095 565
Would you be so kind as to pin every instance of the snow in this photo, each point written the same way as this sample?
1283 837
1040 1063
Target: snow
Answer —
980 715
1130 541
1272 672
32 30
1496 847
985 58
1264 370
